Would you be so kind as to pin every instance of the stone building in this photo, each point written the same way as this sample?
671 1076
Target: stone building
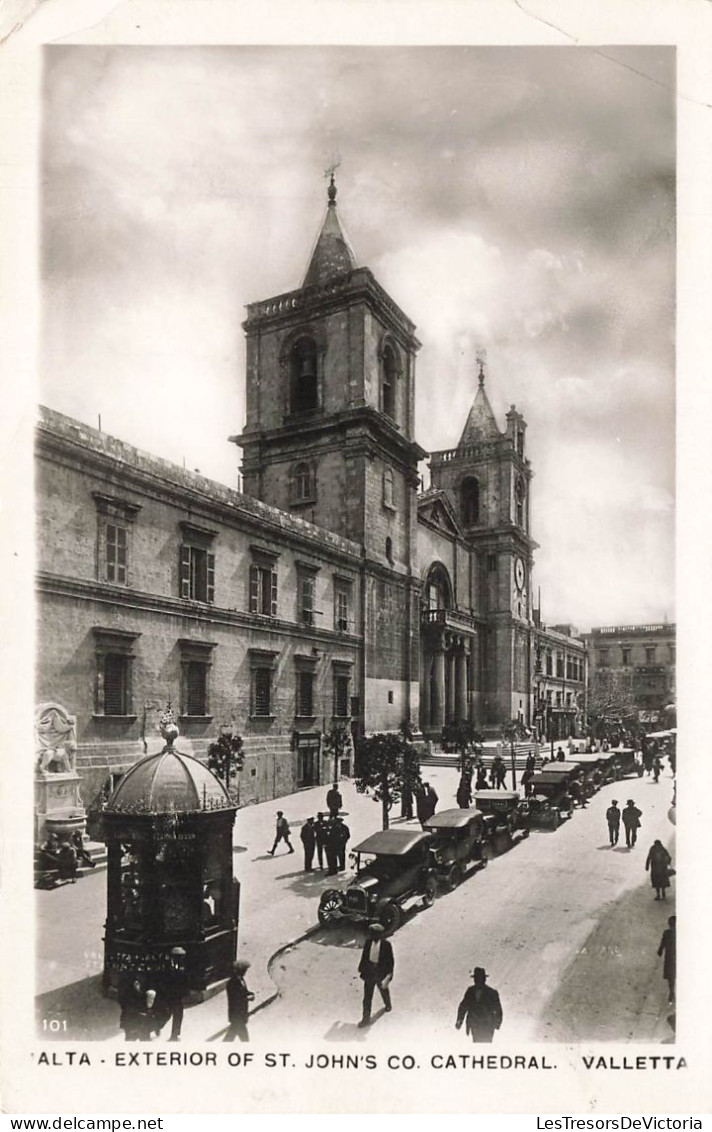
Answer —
634 665
328 590
560 681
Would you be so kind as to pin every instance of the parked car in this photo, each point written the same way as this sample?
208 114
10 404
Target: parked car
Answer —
625 762
504 812
550 801
593 767
393 868
459 838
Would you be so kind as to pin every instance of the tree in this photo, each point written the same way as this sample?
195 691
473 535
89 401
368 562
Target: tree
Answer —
336 743
385 767
225 757
610 702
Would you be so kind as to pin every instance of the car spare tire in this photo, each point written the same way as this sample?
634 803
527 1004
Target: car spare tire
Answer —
329 907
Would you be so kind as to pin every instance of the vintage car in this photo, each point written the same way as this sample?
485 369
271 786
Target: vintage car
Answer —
459 838
393 868
625 763
593 770
550 800
504 813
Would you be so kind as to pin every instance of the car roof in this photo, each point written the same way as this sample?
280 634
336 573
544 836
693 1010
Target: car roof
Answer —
547 776
392 842
451 819
487 794
590 757
570 764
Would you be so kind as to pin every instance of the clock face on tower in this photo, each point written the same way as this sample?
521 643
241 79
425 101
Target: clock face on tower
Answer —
519 573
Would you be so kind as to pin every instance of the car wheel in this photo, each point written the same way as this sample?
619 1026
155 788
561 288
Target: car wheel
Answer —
555 819
455 877
429 894
329 907
391 917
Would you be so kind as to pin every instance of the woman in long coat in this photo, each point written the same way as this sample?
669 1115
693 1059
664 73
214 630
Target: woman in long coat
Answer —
658 863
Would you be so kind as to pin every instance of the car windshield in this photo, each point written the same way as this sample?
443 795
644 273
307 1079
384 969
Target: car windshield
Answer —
379 866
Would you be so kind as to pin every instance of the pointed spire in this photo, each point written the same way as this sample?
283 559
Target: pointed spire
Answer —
481 425
332 255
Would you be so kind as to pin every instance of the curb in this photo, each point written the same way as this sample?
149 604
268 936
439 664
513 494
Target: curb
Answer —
273 958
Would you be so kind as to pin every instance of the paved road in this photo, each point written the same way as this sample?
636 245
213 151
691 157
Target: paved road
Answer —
567 928
558 915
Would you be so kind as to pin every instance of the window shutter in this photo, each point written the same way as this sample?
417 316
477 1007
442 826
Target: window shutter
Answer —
254 588
273 609
210 594
185 571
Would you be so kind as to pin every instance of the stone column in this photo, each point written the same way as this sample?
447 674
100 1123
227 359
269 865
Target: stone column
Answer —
437 702
427 665
461 684
450 685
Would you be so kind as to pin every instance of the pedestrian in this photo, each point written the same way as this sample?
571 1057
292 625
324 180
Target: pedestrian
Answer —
334 800
376 969
308 839
631 820
527 777
657 767
667 949
130 997
658 863
613 818
501 775
238 1002
530 764
143 1011
175 989
321 830
464 792
432 799
560 756
332 849
481 782
281 833
423 807
341 836
480 1009
82 855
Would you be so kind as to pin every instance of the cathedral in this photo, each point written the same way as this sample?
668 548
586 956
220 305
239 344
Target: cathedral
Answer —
331 589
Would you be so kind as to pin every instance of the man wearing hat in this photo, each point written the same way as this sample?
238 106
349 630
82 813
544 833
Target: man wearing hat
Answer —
238 1002
613 817
376 970
174 991
281 833
480 1009
631 820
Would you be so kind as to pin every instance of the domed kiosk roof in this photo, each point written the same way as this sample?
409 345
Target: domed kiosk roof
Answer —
168 782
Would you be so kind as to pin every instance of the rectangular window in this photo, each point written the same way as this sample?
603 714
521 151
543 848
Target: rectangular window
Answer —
603 657
196 661
342 603
263 590
116 683
306 599
650 654
341 696
491 562
262 691
197 577
626 655
116 553
114 660
305 693
560 667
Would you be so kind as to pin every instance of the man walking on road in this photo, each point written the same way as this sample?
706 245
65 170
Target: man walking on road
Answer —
613 817
238 1002
631 820
308 839
480 1009
334 800
668 949
376 970
281 833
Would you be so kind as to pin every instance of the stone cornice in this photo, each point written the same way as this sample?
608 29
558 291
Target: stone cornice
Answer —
140 602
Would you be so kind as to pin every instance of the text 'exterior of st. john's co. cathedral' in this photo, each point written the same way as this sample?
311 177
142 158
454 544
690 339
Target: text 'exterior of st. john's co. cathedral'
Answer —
329 590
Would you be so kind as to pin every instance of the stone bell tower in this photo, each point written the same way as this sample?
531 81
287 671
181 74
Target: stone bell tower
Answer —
329 435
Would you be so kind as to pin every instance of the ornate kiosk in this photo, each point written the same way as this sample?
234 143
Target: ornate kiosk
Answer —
168 829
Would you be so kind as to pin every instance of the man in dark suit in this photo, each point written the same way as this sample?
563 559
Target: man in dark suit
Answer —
376 970
480 1009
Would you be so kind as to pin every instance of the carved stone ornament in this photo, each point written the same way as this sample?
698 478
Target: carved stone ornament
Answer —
56 739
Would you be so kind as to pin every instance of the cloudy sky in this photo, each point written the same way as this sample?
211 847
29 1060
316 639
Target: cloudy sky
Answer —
519 200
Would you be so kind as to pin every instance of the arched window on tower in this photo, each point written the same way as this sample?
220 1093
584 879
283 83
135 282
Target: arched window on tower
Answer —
519 498
438 590
304 391
303 484
470 501
389 377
